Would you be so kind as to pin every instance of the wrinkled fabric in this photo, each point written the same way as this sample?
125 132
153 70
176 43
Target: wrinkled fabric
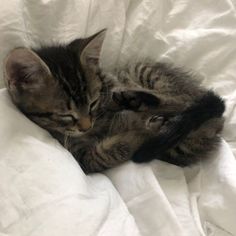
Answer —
43 191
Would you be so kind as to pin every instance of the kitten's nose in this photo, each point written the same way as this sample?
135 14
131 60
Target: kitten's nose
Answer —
85 124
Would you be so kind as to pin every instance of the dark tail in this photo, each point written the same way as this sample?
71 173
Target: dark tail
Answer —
177 128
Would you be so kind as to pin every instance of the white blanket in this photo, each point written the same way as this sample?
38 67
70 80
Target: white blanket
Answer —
43 191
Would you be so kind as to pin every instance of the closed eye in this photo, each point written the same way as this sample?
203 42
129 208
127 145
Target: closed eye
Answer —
67 118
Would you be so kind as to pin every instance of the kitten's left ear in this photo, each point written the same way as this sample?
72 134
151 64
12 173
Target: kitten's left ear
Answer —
90 48
23 69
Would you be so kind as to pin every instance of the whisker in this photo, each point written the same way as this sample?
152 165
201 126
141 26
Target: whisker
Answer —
66 141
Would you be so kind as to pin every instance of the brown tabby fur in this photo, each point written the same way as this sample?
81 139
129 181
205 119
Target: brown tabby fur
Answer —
143 111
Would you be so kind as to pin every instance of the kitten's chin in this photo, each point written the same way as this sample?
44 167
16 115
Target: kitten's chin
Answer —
68 133
73 133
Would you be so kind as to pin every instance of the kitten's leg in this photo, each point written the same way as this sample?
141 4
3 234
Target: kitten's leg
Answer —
145 101
119 148
111 151
179 127
196 146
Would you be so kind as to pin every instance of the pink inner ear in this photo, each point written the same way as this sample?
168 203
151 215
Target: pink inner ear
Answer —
91 53
25 69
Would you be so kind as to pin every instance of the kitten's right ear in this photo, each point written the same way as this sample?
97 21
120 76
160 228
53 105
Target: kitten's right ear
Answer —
25 70
89 49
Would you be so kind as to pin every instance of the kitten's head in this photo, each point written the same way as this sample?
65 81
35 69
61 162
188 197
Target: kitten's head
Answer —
57 87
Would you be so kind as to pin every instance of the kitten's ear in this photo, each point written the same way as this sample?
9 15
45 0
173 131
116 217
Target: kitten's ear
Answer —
90 48
25 70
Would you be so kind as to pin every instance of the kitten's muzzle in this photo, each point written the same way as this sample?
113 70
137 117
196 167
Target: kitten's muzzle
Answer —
85 123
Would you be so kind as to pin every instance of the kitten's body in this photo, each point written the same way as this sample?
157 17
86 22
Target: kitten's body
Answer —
144 111
116 137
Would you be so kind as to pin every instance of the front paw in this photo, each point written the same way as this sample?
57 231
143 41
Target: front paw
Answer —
154 123
84 158
127 99
135 100
91 161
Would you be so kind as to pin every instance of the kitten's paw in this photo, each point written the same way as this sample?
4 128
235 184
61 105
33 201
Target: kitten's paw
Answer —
88 160
135 100
127 99
155 122
141 156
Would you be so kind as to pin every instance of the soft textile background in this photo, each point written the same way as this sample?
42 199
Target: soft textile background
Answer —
42 189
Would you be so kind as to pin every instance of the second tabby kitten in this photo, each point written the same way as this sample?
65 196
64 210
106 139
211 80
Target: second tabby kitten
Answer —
143 111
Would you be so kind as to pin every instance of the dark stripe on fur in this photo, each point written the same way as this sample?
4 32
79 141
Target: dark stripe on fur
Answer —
60 59
149 84
141 75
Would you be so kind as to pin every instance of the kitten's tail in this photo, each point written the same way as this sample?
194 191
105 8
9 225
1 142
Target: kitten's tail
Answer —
178 128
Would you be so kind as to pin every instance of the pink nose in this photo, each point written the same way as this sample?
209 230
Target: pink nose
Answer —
85 124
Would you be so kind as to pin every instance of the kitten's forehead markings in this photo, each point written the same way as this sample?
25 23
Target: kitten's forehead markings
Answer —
71 93
74 109
82 82
65 83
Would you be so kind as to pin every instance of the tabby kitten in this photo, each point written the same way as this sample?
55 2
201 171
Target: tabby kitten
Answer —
142 111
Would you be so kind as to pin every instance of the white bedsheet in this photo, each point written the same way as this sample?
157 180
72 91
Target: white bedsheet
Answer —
43 191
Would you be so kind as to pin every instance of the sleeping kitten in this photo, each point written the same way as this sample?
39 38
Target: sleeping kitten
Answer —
143 111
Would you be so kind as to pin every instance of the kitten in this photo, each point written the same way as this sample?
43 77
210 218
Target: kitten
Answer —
142 111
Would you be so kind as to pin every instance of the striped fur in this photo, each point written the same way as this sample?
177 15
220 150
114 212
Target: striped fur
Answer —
142 111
